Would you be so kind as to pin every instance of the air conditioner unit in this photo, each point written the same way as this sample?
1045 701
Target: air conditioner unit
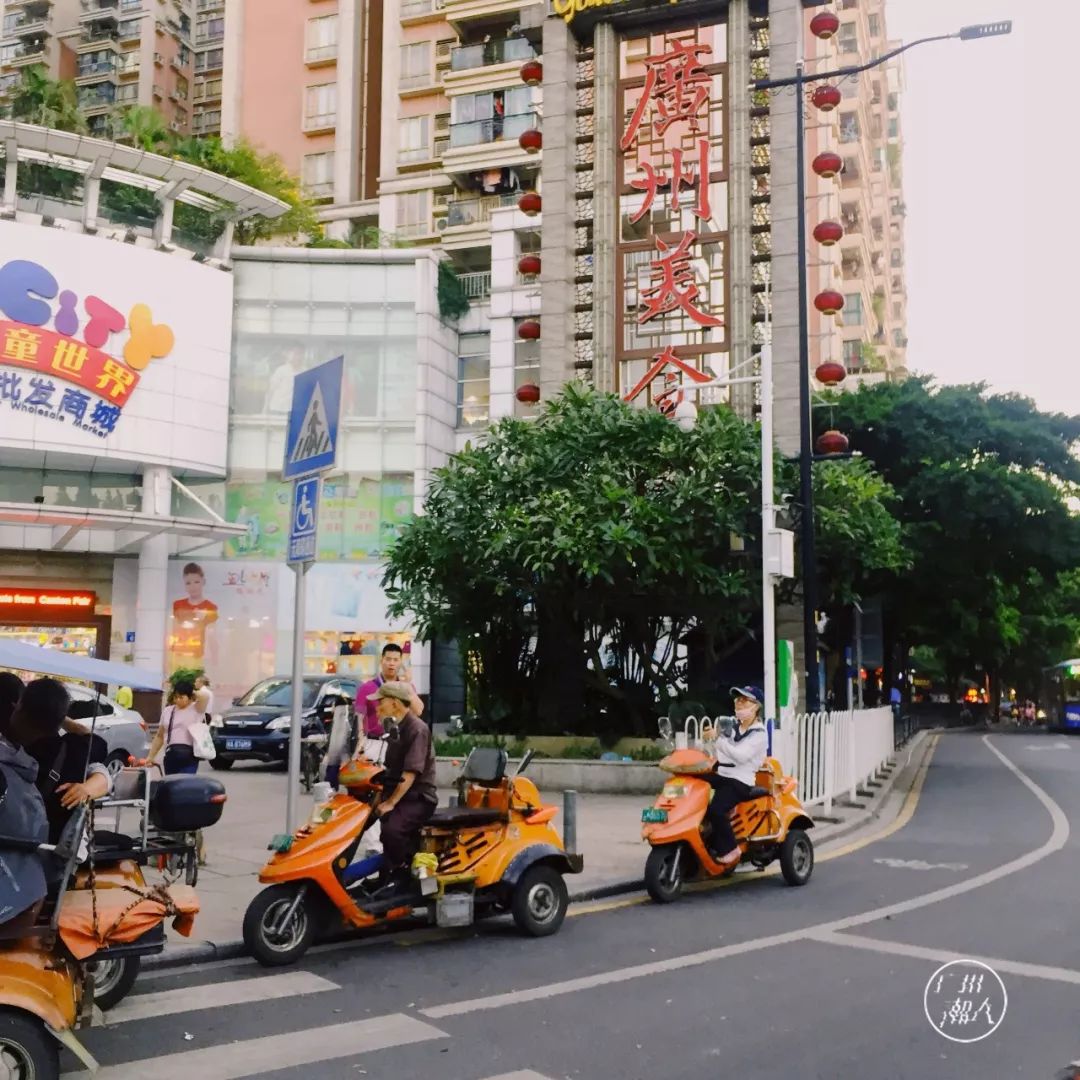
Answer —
159 59
441 223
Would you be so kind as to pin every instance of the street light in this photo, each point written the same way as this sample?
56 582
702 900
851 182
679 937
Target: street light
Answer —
774 542
806 493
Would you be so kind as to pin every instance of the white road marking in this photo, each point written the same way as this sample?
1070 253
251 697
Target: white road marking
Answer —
253 1057
1053 746
919 864
1059 836
218 995
944 956
521 1074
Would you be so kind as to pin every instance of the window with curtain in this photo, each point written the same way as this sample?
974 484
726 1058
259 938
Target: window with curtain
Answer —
321 38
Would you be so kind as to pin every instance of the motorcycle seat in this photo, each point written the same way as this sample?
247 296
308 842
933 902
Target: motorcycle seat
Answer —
756 793
458 817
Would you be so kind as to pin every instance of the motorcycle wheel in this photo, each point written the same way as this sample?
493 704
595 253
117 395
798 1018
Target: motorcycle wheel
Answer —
114 978
27 1050
540 901
797 857
664 873
274 947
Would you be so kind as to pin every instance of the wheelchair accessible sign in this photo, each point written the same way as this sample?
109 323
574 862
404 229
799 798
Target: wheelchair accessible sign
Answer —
311 437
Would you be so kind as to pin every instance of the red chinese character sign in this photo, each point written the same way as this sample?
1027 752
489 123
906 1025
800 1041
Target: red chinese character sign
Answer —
672 249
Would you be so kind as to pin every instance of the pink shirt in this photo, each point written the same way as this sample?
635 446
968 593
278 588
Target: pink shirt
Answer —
177 724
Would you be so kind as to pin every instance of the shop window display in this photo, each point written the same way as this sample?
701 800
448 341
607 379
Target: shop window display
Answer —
352 653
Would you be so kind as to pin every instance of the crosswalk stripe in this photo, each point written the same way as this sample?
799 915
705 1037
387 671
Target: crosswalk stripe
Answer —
521 1074
218 995
253 1057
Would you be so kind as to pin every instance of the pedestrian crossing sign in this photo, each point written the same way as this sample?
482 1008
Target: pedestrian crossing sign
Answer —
312 430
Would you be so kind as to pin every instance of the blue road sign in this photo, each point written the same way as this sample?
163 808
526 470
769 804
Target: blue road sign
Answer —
311 434
304 520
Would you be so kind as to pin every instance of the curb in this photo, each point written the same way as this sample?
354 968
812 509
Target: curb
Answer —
209 951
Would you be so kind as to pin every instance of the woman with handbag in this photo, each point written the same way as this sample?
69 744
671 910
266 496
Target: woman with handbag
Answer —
177 731
184 731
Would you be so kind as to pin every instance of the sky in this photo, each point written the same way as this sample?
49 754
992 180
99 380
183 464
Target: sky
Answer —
990 185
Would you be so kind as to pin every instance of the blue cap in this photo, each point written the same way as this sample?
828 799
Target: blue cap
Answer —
755 693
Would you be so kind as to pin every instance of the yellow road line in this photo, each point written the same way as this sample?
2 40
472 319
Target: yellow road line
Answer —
907 811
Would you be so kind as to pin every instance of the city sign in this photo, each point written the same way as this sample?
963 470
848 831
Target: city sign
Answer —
38 603
583 15
82 350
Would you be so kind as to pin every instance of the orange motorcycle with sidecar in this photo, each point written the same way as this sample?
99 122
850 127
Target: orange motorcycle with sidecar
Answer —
496 851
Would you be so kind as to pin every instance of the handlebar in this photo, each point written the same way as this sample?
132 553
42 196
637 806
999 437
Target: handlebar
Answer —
529 755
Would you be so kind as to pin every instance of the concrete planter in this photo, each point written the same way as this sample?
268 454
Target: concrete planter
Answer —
599 777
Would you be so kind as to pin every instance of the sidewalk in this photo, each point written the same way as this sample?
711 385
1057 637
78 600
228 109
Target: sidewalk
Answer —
608 833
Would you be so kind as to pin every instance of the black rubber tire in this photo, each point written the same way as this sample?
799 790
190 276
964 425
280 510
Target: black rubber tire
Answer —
24 1037
116 761
120 983
222 764
797 857
266 951
539 901
658 880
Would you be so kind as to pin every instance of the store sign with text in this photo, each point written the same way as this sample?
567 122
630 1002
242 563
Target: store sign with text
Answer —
38 604
105 349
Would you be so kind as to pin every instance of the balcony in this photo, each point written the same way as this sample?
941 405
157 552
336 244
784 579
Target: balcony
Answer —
95 42
31 52
129 65
477 132
206 123
95 72
97 100
210 5
315 55
27 24
99 11
320 122
477 286
460 13
208 91
466 57
205 38
418 10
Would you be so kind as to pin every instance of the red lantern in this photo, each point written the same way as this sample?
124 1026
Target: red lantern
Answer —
529 330
529 265
828 233
828 164
530 203
829 302
531 140
532 73
831 373
824 25
831 442
529 394
826 98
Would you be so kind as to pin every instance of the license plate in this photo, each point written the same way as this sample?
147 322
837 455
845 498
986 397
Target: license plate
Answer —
237 744
653 814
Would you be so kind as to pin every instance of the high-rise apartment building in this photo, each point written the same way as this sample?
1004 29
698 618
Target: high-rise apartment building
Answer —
209 64
119 52
870 334
303 78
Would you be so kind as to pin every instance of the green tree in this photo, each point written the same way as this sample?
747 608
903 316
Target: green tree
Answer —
144 126
569 556
47 102
986 486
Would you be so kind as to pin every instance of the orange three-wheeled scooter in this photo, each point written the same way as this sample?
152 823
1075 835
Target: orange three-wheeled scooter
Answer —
771 824
495 851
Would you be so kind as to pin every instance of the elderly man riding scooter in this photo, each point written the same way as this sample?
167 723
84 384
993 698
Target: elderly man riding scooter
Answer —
738 758
410 759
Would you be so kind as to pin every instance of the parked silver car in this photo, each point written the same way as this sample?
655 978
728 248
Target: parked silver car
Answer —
123 730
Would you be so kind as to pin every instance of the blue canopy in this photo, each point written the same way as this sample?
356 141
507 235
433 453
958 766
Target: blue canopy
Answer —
14 654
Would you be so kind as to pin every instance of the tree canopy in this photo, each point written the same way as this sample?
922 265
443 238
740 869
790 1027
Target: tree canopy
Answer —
987 489
570 555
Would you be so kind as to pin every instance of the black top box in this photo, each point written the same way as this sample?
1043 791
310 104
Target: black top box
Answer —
184 803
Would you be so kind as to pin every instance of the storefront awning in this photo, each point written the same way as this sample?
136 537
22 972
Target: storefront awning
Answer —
76 528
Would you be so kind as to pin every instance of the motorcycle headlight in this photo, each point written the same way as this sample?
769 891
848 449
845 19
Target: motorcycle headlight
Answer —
282 723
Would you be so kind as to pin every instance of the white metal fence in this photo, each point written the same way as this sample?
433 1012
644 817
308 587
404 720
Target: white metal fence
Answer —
830 754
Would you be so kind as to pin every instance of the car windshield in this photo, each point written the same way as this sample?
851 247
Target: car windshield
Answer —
278 692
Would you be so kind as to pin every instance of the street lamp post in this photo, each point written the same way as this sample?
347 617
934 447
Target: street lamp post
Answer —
772 539
806 492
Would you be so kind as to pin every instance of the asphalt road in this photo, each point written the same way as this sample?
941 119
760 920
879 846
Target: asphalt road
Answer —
751 980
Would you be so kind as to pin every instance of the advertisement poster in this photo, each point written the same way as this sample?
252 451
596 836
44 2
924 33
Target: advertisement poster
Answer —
222 618
358 518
